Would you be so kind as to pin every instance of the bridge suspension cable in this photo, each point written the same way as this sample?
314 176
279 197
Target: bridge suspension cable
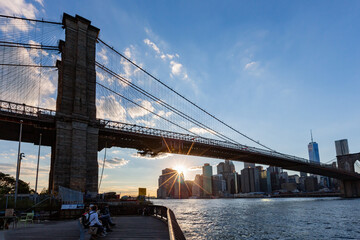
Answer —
28 19
161 102
28 52
183 97
146 109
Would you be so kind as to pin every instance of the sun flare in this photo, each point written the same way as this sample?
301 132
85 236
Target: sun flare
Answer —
180 169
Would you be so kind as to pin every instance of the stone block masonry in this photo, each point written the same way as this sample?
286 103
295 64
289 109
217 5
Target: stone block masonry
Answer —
74 154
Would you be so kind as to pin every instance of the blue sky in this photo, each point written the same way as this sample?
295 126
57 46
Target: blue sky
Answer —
271 69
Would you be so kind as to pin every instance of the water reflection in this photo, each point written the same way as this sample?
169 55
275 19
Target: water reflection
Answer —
289 218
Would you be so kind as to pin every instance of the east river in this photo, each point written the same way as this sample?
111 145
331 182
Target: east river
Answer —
268 218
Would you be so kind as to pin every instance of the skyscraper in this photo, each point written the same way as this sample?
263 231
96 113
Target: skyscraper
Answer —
207 179
250 180
166 180
227 169
197 186
342 147
313 151
220 168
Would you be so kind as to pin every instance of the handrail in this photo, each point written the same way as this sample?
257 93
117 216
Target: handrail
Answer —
170 226
18 108
175 232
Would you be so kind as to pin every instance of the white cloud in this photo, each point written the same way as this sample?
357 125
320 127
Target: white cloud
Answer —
115 162
128 68
137 111
168 56
36 78
109 108
127 52
100 76
27 168
162 114
176 68
103 55
49 103
41 2
250 66
18 8
146 123
198 130
152 45
159 156
195 168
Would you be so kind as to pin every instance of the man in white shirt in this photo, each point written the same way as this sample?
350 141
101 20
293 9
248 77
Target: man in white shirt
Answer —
94 221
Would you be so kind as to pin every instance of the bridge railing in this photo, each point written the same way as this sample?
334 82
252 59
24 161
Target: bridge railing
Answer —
133 128
164 213
23 109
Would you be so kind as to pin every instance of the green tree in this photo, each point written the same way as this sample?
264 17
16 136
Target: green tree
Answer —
7 185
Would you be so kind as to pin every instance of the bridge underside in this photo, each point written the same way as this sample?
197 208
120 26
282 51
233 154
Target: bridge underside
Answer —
153 145
32 127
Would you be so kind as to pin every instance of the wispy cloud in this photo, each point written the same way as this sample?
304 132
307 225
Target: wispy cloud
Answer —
195 168
18 8
107 107
177 69
159 156
250 65
152 45
114 162
138 111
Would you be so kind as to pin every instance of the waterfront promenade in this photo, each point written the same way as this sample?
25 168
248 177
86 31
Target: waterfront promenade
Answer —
127 227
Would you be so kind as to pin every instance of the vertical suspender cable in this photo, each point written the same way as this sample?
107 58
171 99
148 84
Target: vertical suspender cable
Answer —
103 166
37 168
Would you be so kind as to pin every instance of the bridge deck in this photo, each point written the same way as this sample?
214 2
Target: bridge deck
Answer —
153 141
127 227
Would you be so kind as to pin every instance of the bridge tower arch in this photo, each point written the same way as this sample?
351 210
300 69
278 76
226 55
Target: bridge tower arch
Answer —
74 153
349 188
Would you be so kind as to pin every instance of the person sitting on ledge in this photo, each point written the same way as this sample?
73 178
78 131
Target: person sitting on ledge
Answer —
105 214
94 221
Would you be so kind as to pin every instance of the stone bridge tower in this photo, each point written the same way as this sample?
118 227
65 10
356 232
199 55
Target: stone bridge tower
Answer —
349 188
74 154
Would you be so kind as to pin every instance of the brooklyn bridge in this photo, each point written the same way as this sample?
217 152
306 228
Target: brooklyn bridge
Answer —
62 82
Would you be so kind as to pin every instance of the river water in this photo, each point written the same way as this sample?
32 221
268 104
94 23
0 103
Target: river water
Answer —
268 218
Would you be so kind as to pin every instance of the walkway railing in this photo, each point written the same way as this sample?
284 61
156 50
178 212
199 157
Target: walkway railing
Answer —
164 213
133 128
23 109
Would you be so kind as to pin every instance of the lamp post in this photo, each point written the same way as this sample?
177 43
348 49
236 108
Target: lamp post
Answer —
18 164
37 168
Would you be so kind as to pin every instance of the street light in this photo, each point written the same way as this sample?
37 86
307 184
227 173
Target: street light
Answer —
37 168
20 156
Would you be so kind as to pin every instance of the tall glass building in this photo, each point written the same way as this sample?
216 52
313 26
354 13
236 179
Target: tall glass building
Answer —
313 148
207 179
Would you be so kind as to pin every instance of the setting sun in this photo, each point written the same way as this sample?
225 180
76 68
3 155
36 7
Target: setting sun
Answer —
180 169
